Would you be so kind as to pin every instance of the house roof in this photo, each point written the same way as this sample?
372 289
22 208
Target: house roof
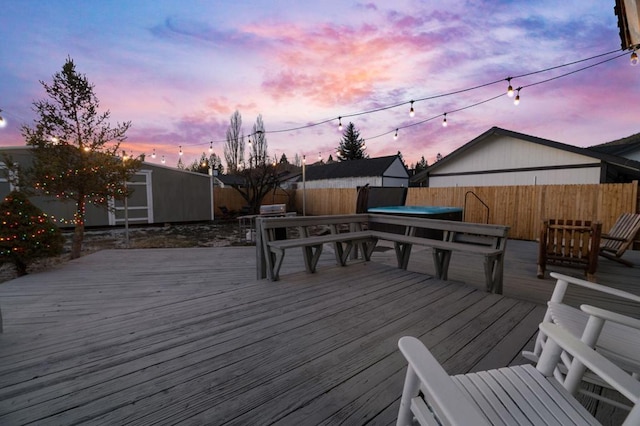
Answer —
497 131
620 146
350 168
231 179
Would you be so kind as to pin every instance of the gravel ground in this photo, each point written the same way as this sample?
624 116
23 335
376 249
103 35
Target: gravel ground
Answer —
216 234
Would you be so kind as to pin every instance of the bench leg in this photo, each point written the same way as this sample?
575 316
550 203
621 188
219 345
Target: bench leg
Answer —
367 248
441 259
403 253
311 256
274 263
493 272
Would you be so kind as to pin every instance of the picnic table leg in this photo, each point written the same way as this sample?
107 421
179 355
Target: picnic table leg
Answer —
261 265
441 260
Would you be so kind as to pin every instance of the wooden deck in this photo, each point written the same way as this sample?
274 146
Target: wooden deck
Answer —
189 336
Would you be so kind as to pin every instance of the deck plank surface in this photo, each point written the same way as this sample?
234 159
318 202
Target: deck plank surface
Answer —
188 336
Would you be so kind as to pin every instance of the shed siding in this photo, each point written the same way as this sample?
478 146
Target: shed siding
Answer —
352 182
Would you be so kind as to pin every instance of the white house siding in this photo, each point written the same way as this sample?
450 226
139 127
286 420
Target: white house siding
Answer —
352 182
510 161
537 177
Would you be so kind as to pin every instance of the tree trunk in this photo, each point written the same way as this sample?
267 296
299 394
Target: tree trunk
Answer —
21 267
78 232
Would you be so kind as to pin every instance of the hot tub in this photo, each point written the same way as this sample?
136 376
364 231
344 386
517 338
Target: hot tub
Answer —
426 212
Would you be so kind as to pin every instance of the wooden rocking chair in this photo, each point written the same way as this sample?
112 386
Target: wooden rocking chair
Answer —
512 395
614 243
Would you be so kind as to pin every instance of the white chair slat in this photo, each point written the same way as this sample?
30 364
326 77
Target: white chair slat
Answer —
480 393
565 408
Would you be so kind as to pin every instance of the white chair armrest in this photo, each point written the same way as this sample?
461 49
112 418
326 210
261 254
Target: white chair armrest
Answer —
605 369
597 287
445 398
611 316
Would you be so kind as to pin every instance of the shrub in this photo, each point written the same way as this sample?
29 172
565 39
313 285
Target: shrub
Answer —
26 233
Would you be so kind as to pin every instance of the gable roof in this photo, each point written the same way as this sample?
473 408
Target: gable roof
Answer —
350 168
619 146
497 131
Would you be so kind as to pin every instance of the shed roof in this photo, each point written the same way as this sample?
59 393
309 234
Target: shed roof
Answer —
350 168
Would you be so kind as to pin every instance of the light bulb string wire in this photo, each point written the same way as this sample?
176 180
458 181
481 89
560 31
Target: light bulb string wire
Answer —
456 92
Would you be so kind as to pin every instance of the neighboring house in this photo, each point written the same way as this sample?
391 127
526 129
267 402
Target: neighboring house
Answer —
381 171
503 157
224 181
161 194
628 147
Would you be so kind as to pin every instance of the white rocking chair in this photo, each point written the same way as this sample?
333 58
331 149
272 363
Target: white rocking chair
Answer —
514 395
614 340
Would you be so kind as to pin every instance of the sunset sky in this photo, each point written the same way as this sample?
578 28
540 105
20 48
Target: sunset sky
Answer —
178 70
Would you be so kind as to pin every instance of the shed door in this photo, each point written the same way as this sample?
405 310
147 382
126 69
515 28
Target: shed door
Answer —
139 207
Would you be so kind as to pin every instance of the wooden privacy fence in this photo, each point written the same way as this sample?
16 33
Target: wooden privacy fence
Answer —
231 199
523 208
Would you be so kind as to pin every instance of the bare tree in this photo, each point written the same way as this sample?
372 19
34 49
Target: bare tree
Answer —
258 149
234 146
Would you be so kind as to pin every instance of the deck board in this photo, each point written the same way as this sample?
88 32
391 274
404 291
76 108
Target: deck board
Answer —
189 336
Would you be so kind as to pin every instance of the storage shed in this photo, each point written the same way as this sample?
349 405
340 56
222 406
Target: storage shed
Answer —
380 171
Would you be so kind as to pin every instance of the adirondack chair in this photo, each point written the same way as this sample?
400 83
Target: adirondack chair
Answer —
614 342
569 243
512 395
614 243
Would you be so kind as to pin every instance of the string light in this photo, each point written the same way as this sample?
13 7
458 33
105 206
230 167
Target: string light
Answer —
3 122
304 159
516 101
163 160
412 110
210 147
180 152
250 144
395 137
412 113
634 60
510 88
153 154
319 156
444 121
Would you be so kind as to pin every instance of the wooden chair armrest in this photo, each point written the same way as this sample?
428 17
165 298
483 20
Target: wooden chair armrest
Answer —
611 316
597 287
446 399
617 378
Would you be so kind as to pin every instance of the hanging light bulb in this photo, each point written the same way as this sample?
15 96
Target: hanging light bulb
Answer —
364 144
210 147
340 123
153 154
319 156
444 121
634 58
304 159
510 88
180 152
163 160
516 101
3 122
250 144
395 137
412 113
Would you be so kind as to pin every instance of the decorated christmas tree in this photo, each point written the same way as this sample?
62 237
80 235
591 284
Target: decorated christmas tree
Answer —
26 233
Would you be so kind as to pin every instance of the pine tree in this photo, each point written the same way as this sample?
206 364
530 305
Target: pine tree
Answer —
76 149
26 233
421 165
352 145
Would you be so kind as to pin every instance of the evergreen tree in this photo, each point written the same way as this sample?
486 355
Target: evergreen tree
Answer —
75 155
421 165
283 159
26 233
330 159
352 145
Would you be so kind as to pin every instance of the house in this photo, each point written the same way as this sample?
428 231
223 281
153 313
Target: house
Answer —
628 147
503 157
380 171
160 194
